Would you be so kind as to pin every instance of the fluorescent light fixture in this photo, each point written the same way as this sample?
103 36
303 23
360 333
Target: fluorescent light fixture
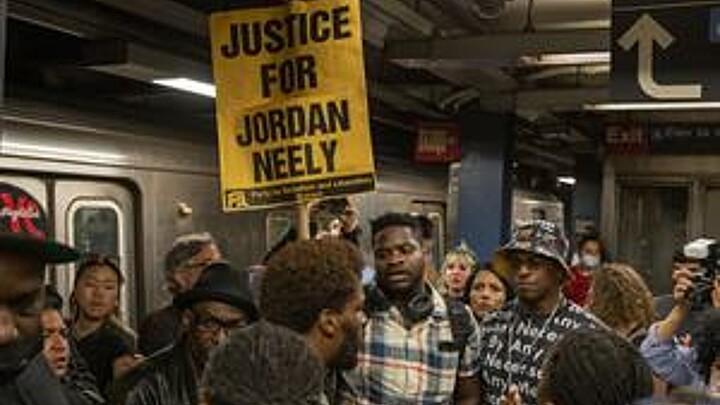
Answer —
189 85
640 106
559 59
567 180
56 152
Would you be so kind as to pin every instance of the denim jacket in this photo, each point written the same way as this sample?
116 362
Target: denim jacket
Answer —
672 363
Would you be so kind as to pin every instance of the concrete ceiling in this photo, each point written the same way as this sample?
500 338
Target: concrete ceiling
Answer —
425 58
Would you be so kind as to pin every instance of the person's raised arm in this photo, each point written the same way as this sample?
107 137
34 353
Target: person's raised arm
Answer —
668 327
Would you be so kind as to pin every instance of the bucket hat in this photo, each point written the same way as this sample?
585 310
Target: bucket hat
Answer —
540 237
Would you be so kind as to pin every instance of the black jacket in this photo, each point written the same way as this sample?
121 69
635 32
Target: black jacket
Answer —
35 385
159 330
79 382
166 378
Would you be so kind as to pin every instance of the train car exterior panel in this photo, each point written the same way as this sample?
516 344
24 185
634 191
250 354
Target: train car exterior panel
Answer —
174 185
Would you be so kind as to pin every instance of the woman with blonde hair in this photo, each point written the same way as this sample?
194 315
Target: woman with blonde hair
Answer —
459 264
621 299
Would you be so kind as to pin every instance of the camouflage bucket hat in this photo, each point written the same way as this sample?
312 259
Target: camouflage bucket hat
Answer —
542 238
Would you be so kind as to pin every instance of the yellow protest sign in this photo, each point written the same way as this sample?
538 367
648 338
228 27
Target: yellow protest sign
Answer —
291 103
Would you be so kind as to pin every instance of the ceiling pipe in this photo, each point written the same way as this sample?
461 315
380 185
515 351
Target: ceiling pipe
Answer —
528 15
473 14
552 15
583 70
405 15
483 9
456 100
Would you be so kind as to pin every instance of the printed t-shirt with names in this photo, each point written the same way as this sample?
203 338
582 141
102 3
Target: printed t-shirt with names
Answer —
529 344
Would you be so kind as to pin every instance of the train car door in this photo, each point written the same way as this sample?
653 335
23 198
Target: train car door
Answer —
711 215
98 217
653 221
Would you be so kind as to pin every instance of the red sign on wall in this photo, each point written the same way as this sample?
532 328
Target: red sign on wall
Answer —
437 142
626 140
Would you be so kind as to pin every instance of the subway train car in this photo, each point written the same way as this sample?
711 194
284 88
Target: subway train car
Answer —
125 189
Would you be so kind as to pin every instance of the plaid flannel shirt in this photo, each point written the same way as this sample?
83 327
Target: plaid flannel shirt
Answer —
416 366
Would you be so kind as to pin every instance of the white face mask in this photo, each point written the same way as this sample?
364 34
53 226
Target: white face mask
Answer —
590 261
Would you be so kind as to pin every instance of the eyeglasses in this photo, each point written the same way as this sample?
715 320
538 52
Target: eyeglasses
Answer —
211 324
190 265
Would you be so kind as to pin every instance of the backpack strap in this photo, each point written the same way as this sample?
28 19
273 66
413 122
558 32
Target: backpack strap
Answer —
461 323
375 300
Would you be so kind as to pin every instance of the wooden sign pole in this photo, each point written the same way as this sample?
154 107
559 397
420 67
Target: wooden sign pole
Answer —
303 220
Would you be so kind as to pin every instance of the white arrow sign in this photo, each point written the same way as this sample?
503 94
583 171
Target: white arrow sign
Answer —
646 32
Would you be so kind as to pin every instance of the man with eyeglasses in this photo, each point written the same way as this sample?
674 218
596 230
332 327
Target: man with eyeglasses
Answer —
189 255
219 302
515 340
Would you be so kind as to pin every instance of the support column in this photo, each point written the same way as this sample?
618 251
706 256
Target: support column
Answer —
587 193
485 191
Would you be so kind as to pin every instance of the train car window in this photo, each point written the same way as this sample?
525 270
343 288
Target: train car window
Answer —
95 229
277 224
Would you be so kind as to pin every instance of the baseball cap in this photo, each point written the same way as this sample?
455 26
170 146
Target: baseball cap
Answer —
24 228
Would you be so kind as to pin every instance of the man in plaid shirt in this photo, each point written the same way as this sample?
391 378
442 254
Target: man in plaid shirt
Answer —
410 354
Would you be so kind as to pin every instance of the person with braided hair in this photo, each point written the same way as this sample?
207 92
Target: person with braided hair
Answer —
263 364
594 367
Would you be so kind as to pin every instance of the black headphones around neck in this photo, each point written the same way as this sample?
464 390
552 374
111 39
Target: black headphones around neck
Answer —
418 308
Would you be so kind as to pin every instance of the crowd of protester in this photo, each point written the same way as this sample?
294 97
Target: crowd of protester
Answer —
321 323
